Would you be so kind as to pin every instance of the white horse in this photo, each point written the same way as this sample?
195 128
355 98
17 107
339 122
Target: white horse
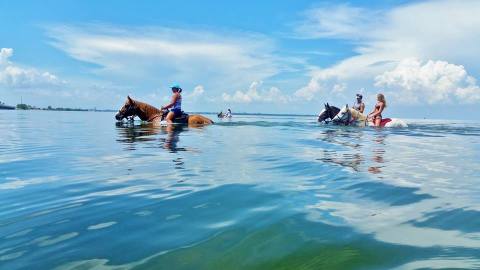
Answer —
349 116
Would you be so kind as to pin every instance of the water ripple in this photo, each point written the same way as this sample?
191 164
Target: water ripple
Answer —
254 192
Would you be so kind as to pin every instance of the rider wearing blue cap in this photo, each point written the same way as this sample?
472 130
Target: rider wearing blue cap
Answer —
175 104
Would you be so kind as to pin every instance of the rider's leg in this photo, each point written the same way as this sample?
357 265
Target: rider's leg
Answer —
169 117
377 121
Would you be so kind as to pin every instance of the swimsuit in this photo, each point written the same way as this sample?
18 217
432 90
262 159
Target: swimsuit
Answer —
378 115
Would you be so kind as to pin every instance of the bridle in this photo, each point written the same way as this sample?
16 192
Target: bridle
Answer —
163 115
328 112
127 109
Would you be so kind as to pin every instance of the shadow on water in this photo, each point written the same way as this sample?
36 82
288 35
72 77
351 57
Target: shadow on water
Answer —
447 220
393 195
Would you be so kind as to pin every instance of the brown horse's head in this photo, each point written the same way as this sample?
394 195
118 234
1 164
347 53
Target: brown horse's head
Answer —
128 109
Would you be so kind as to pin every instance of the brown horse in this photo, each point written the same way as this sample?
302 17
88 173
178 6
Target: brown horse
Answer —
149 113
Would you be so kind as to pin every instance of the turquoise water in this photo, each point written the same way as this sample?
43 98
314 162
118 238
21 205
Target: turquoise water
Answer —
78 191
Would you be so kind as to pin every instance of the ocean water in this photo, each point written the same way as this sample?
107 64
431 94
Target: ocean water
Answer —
78 191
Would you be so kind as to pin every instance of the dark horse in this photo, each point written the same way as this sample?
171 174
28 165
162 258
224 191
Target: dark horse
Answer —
149 113
328 113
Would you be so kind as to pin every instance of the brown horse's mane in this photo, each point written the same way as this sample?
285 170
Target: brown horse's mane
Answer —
146 112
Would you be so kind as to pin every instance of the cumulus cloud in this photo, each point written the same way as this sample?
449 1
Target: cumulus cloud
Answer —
309 91
5 53
429 30
14 76
433 82
197 91
321 86
272 95
339 87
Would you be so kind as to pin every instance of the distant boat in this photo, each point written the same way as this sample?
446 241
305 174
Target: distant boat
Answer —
3 106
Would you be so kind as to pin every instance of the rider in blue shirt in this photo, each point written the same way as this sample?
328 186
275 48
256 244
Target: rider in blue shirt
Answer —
175 104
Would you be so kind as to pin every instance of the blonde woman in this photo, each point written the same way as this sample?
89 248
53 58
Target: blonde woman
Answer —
376 115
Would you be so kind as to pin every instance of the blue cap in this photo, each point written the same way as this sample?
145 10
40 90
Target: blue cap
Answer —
175 85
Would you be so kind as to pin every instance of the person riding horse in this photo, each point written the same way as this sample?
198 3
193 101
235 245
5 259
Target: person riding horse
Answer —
175 104
149 113
228 114
359 105
376 114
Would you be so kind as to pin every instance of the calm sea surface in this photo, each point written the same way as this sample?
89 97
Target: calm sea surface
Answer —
78 191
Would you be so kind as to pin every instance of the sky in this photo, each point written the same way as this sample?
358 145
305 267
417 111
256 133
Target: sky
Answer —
250 56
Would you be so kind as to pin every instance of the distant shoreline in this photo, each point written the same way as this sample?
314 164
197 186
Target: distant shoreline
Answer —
26 107
110 110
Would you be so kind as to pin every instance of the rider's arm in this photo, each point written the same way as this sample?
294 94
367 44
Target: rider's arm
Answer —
169 105
362 107
371 112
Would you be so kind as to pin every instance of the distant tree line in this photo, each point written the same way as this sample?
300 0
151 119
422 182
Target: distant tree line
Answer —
49 108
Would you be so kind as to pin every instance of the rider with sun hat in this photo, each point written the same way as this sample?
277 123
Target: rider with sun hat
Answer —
175 104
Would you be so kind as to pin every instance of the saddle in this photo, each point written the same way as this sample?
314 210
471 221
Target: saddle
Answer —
182 119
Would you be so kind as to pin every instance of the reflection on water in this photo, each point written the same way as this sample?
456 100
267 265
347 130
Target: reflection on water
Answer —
378 153
130 134
256 192
352 139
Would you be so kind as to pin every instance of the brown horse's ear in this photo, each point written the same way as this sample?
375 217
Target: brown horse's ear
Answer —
129 99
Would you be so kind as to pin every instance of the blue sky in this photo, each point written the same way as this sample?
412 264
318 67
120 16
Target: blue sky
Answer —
251 56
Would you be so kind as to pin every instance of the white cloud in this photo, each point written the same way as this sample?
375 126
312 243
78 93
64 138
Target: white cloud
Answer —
192 56
430 30
273 95
334 21
321 86
5 53
311 90
433 82
197 91
339 88
14 76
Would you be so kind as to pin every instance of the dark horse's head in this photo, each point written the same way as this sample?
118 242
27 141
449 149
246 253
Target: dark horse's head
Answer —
128 109
329 112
